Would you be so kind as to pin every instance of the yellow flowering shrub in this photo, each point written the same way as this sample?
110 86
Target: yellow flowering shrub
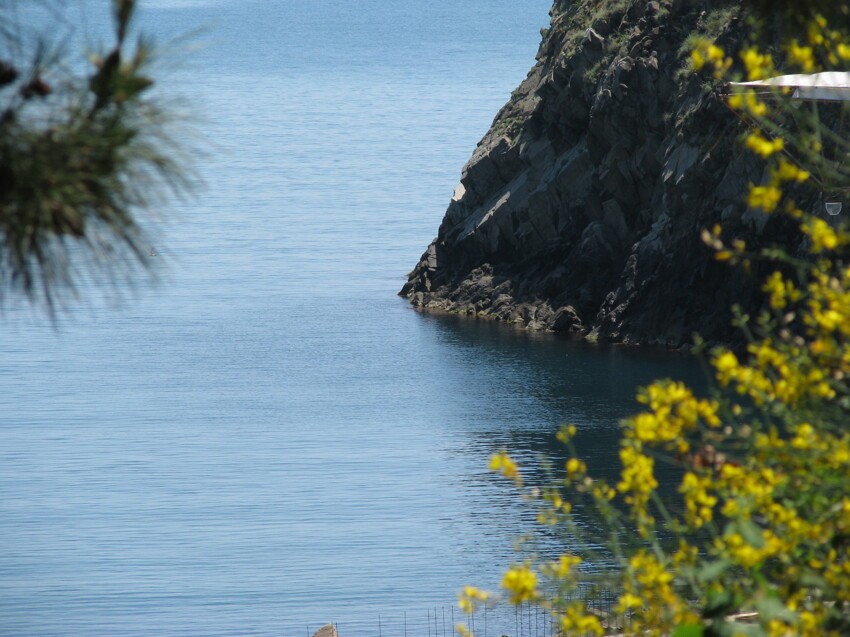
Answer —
756 540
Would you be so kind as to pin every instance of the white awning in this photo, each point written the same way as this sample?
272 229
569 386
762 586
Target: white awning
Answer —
833 86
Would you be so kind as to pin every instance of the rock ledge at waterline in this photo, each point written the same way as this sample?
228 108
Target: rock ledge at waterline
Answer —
328 630
581 209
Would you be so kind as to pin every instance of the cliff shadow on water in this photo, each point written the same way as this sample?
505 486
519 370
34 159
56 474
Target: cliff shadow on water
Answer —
539 380
581 209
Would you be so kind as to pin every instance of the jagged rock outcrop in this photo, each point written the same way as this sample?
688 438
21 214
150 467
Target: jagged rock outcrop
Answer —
581 209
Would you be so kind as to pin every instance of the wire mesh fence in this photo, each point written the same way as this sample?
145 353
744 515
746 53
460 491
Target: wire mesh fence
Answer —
492 620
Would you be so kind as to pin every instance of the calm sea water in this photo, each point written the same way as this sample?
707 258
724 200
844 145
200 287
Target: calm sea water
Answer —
271 439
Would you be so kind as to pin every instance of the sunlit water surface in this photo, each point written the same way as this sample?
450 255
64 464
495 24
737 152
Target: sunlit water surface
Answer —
271 439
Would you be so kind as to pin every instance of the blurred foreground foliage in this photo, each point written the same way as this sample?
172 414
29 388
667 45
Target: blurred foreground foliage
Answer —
797 12
755 540
83 153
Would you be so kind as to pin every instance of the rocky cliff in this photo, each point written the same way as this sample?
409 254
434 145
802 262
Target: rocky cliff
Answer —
582 207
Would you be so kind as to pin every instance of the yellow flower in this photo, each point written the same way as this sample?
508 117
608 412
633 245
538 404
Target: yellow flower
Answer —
521 584
558 503
801 56
698 499
810 623
637 478
747 555
715 53
649 570
503 463
726 365
575 467
705 52
564 567
697 60
789 172
575 620
603 492
470 596
764 147
628 601
759 66
566 433
781 292
765 197
822 235
749 103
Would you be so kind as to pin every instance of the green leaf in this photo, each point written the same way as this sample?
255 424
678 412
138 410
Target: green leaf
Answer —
811 579
689 630
751 532
128 86
737 629
719 603
713 570
770 606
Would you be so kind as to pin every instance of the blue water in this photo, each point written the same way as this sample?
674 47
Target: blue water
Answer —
270 439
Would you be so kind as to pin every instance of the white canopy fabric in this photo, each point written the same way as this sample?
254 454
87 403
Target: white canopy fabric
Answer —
833 86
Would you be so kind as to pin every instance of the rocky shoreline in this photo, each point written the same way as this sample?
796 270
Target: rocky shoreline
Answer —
581 209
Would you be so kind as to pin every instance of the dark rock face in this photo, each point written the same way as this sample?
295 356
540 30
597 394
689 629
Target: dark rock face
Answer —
581 209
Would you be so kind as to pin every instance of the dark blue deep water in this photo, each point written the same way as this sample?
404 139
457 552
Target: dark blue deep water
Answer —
270 439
